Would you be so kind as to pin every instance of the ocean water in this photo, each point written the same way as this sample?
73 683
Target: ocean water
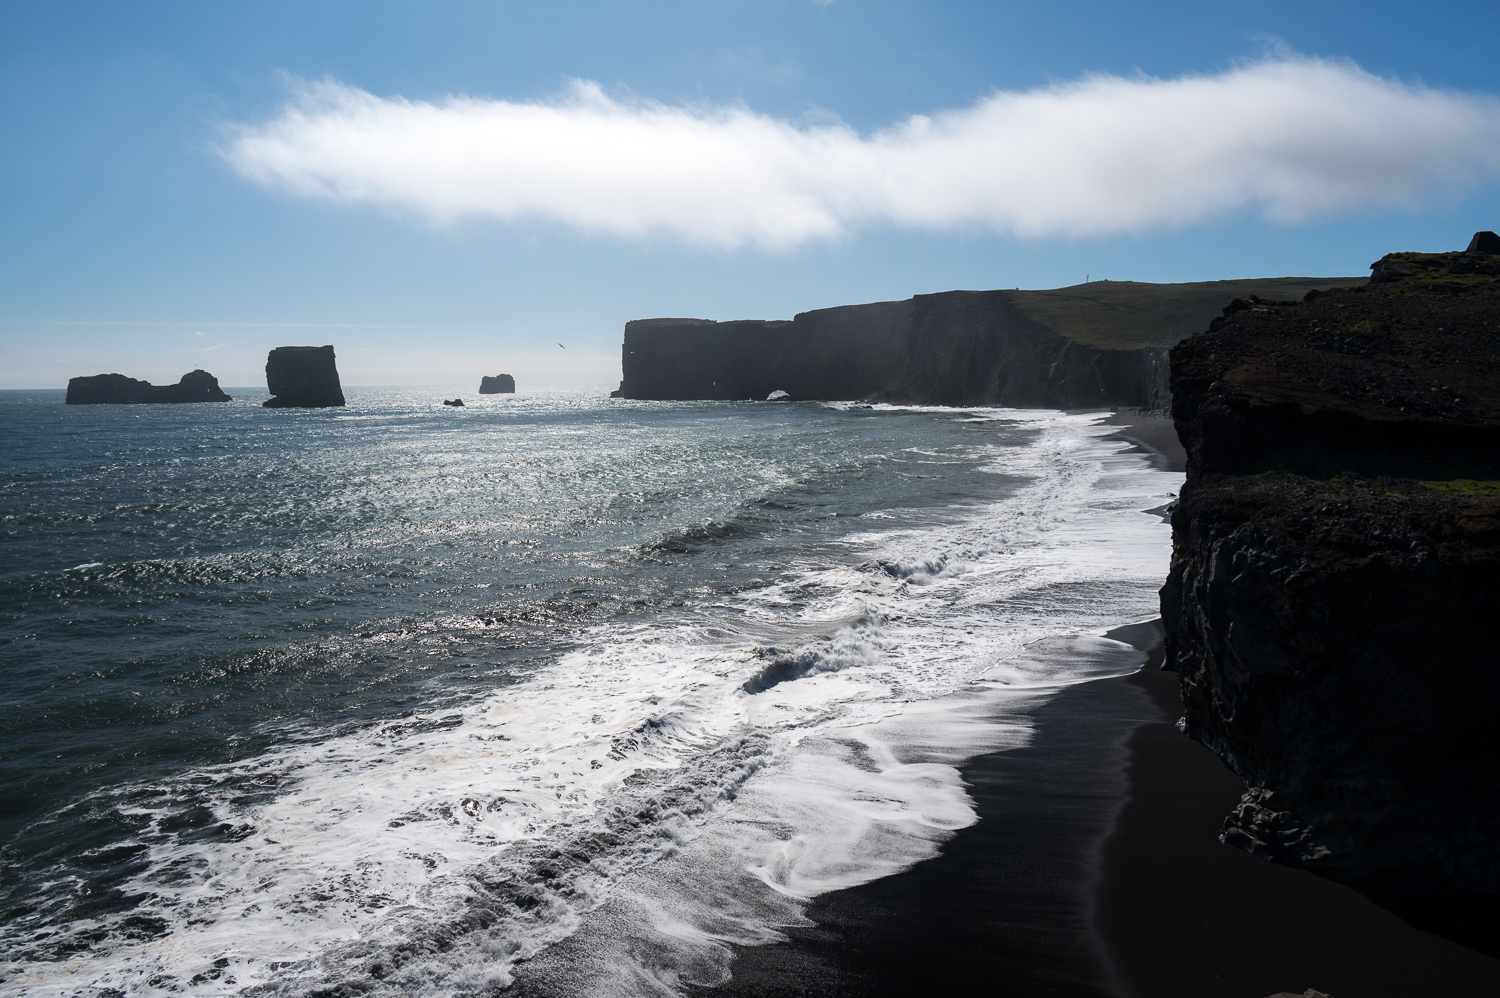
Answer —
394 698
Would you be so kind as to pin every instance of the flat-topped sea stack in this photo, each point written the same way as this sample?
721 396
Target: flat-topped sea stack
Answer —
117 389
303 378
1336 562
1098 344
500 384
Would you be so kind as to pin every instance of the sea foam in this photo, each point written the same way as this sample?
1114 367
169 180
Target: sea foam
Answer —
669 788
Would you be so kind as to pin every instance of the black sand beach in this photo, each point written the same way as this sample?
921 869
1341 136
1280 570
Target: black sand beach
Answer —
1095 869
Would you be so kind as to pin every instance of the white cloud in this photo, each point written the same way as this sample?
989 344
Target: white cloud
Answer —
1287 138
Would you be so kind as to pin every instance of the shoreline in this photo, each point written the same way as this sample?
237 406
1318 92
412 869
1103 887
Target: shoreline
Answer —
1153 434
1095 869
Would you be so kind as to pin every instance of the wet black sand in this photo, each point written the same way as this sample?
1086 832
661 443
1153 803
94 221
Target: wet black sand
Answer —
1095 869
1152 433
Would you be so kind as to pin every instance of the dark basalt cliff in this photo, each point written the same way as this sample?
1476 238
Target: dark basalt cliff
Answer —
302 378
1098 344
116 389
498 385
1336 556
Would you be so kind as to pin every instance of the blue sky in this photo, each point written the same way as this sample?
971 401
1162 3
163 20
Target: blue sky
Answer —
139 232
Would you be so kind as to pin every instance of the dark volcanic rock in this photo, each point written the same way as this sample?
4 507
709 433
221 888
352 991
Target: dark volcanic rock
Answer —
453 401
1098 344
1484 242
302 378
956 348
195 386
1336 556
498 385
1477 264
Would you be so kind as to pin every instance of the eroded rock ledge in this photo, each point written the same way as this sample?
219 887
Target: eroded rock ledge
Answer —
1336 562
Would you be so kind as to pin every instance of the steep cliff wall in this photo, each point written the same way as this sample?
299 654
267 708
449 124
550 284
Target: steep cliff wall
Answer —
1336 557
303 378
1099 344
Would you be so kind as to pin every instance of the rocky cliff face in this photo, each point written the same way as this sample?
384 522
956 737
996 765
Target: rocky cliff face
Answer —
195 386
1098 344
303 378
500 384
956 348
1336 556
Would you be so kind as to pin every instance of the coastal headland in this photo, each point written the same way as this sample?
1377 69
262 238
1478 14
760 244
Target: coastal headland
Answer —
1095 345
1335 554
1335 550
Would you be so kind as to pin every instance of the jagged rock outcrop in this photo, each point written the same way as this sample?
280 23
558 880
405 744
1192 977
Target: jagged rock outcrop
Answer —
117 389
500 384
303 378
1336 557
1098 344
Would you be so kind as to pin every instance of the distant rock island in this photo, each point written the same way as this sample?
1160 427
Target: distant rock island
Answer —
117 389
498 385
1336 560
1098 344
303 378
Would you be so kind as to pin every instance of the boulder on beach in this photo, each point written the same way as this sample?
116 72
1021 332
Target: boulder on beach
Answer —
117 389
302 378
498 385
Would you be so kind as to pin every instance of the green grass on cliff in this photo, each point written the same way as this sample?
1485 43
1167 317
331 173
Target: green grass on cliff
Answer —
1466 487
1126 315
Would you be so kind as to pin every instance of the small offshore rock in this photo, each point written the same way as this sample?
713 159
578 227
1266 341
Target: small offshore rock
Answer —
117 389
303 378
500 384
453 401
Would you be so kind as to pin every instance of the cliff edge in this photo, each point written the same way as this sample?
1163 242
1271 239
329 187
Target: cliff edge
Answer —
1336 556
1098 344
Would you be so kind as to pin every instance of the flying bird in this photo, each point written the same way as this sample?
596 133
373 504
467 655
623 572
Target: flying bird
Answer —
561 346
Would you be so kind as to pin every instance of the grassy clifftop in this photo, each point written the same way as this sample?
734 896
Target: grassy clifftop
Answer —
1128 315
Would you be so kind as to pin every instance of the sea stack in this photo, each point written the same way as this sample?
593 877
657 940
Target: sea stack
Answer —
302 378
1336 562
117 389
498 385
